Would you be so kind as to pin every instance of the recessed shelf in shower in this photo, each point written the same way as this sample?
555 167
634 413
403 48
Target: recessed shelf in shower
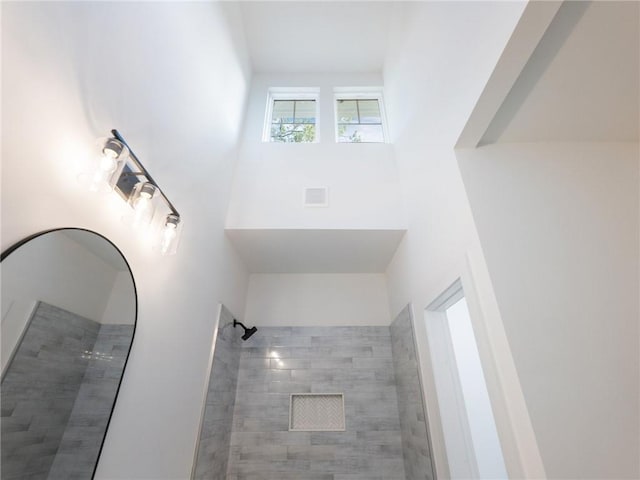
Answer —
316 412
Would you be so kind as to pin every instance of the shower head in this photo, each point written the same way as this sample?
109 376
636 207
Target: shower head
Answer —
247 331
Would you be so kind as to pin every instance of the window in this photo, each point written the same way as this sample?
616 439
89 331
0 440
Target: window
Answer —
291 116
359 118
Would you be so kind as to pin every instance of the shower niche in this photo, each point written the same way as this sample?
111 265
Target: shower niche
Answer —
316 412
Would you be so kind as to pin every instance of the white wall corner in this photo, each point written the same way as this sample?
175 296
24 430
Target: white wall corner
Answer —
532 26
517 437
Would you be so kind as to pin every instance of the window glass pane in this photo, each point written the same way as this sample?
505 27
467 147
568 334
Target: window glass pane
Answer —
282 111
371 133
293 133
305 111
348 133
347 111
369 111
360 133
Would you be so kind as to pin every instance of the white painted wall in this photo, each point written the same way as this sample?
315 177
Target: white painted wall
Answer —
559 227
54 269
173 78
440 56
121 305
462 42
440 246
270 178
304 300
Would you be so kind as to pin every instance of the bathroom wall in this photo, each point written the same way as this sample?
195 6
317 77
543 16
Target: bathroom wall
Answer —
413 422
40 388
427 113
57 98
82 438
122 303
561 243
278 361
308 299
361 177
215 434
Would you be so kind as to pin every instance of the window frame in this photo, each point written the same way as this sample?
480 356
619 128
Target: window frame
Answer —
290 94
458 421
360 93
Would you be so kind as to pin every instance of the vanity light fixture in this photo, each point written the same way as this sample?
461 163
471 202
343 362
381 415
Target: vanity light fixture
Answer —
120 169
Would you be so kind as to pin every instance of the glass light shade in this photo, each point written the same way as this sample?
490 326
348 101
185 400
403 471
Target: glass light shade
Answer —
142 203
107 166
170 234
114 148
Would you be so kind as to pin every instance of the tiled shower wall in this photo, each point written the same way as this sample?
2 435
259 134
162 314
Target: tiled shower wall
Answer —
278 361
415 440
80 445
215 436
40 388
57 395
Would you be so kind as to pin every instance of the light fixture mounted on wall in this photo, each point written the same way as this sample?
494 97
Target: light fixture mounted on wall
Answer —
119 169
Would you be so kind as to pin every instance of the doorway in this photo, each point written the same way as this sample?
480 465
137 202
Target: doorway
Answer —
470 434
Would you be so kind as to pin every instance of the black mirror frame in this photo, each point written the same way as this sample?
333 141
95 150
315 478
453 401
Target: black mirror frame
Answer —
25 240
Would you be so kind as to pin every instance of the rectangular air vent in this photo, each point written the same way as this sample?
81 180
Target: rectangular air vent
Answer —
317 412
316 197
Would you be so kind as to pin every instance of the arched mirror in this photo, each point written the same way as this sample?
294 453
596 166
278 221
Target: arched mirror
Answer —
68 318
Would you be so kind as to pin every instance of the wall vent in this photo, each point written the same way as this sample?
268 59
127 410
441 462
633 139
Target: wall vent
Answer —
316 197
316 412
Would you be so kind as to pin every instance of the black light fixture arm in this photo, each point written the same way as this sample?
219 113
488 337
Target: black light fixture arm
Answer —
143 171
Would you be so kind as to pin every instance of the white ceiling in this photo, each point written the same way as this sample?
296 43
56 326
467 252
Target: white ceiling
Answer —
315 251
581 83
310 37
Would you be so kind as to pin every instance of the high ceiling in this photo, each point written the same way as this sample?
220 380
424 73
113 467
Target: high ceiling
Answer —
310 37
580 84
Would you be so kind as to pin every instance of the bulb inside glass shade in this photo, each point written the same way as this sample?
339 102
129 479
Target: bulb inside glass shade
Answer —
108 161
106 166
143 205
169 234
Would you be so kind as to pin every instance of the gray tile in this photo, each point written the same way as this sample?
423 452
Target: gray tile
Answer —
415 440
215 439
356 361
58 393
